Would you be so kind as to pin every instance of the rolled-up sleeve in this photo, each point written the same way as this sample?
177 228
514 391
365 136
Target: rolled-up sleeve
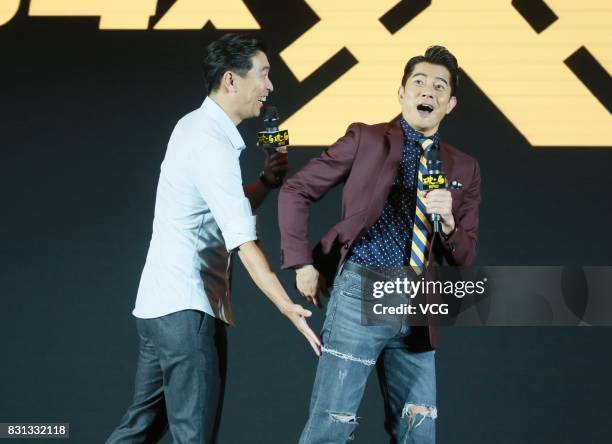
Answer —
216 171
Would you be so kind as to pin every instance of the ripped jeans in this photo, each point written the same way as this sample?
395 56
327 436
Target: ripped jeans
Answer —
350 352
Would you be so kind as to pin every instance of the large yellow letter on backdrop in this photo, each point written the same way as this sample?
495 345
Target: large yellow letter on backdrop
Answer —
135 14
114 14
193 14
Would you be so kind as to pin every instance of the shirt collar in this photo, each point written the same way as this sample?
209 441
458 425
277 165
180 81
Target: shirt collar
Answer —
217 113
412 135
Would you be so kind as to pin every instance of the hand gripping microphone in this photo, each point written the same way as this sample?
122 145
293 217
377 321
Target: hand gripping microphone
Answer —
434 179
272 139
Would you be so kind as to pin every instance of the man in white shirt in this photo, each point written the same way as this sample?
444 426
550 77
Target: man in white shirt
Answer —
202 213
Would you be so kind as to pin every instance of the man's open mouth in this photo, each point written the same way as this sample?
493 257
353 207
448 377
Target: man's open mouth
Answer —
424 109
262 100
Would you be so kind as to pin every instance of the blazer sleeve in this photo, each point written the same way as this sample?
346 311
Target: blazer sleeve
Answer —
461 245
308 185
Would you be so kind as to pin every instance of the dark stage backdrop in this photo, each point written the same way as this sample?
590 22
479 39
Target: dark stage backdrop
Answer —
85 115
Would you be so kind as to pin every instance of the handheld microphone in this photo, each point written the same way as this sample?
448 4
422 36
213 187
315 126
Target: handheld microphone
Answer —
434 179
272 139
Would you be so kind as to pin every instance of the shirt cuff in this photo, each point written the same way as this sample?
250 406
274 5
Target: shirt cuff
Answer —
239 231
448 239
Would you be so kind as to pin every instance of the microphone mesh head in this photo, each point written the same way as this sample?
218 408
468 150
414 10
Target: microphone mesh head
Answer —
271 114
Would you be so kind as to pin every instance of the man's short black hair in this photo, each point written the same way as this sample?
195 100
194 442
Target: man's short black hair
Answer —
232 52
436 55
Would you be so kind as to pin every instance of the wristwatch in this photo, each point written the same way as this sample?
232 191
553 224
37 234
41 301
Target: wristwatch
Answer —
268 184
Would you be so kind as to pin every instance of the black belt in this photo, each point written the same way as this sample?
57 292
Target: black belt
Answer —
377 274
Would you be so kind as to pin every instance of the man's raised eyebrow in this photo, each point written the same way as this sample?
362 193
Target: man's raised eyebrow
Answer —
425 75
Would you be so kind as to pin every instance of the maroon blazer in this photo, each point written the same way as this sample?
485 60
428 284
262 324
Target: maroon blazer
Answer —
366 160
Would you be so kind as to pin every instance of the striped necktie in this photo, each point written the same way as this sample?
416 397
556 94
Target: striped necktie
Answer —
421 230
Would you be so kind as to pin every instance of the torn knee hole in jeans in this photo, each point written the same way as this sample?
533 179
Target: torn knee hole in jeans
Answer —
343 417
414 411
347 356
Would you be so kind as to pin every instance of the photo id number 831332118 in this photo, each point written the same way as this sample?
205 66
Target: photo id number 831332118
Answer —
34 430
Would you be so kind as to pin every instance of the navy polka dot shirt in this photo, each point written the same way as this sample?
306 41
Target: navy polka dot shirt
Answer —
388 242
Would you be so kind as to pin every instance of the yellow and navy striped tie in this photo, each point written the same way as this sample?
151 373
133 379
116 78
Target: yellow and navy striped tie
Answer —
421 231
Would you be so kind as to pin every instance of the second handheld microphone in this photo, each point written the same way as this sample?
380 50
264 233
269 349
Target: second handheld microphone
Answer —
272 139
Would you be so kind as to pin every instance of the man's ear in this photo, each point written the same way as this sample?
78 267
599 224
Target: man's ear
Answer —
451 104
400 94
228 82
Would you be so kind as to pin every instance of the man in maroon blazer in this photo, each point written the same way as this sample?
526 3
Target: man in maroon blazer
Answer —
384 223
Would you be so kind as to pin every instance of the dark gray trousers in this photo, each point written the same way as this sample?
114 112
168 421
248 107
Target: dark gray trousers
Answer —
180 380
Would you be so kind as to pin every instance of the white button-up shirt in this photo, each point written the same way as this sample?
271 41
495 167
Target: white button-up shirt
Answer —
201 213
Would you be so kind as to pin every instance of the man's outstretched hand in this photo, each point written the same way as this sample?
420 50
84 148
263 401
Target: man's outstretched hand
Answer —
298 314
259 269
